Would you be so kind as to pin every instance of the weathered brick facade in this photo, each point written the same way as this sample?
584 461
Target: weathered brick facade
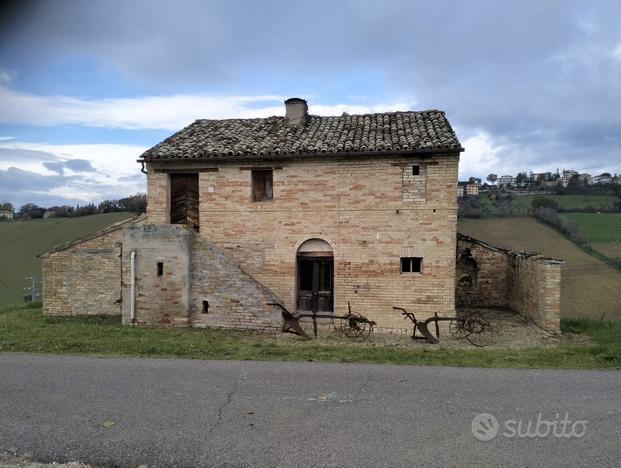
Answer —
363 207
376 194
489 276
84 277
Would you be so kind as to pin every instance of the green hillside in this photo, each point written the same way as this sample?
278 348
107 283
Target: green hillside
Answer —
598 227
590 288
22 241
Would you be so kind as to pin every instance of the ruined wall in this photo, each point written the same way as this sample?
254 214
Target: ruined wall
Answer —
84 277
528 283
535 289
488 285
192 271
370 210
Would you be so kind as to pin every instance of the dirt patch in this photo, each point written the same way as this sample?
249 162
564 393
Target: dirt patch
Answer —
509 331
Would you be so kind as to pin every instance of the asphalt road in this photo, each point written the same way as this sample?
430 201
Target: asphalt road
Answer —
173 412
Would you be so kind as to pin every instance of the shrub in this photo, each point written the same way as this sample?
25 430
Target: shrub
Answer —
544 202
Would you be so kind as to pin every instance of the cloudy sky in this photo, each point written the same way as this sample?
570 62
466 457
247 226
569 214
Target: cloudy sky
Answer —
86 87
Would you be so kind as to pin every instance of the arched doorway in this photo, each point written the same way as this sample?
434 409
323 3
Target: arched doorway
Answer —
315 277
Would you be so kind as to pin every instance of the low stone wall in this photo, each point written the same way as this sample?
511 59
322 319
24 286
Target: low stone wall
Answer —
83 277
489 276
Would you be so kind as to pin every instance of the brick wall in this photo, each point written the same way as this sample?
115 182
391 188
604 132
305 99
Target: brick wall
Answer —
192 271
84 276
370 210
528 283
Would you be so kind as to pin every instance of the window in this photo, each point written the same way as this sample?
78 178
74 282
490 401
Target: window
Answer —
184 199
160 268
415 170
411 264
205 307
262 185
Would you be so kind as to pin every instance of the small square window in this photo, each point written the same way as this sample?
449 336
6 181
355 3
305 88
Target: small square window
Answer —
411 264
262 185
160 268
205 307
415 170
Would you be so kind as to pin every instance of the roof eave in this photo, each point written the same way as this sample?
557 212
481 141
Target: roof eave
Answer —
243 157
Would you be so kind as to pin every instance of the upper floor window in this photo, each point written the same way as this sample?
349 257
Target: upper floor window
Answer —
262 185
184 199
411 265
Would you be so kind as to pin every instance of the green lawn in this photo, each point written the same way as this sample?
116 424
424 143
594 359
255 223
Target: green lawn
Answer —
25 330
570 202
22 241
598 227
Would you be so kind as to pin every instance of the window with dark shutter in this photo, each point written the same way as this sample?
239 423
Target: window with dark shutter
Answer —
184 199
411 264
262 185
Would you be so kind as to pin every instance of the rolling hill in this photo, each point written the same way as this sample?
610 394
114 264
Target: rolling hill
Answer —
590 288
22 241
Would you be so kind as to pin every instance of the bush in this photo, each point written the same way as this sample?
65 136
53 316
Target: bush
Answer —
469 207
567 227
544 202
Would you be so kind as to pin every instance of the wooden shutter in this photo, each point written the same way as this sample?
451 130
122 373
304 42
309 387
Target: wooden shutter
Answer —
184 199
262 185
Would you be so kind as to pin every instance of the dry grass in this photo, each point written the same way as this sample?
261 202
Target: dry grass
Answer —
610 249
590 289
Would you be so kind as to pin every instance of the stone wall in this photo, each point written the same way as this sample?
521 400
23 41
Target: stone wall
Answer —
197 284
489 276
371 210
83 277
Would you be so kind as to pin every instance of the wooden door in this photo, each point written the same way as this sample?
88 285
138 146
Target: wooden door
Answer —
184 199
315 284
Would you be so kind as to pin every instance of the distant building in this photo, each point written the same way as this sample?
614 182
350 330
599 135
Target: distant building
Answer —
604 178
467 189
585 179
8 214
506 180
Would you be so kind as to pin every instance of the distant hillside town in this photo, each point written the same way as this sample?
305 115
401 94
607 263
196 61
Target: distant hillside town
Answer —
536 182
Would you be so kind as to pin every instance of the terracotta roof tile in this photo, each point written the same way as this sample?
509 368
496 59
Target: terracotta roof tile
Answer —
382 132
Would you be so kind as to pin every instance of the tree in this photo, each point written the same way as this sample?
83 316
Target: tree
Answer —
474 180
136 203
31 211
6 206
521 178
492 178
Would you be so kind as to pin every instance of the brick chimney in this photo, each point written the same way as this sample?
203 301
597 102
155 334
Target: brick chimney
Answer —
296 111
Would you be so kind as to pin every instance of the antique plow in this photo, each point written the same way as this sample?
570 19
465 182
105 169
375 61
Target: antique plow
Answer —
354 326
474 328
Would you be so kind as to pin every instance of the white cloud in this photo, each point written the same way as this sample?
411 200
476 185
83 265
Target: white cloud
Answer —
115 166
481 156
6 76
156 112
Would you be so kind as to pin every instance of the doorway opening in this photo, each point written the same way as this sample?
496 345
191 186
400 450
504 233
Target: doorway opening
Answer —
315 277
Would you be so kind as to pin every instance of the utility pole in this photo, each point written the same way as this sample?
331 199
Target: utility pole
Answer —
34 294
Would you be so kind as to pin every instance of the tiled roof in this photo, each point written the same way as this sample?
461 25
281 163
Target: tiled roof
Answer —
384 132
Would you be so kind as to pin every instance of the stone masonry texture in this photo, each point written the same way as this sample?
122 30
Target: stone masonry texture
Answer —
527 283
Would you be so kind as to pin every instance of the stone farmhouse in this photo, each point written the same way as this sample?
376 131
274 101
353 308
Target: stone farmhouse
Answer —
312 212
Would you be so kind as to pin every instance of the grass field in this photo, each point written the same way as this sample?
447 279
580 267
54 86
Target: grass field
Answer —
571 202
26 330
598 227
22 241
590 288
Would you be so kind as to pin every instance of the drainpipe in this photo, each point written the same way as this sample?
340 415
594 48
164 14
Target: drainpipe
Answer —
132 304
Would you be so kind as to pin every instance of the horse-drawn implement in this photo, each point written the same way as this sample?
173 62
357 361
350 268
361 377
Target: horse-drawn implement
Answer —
354 326
474 328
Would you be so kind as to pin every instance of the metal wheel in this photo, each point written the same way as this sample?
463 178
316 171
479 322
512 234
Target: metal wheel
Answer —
478 331
355 327
456 329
